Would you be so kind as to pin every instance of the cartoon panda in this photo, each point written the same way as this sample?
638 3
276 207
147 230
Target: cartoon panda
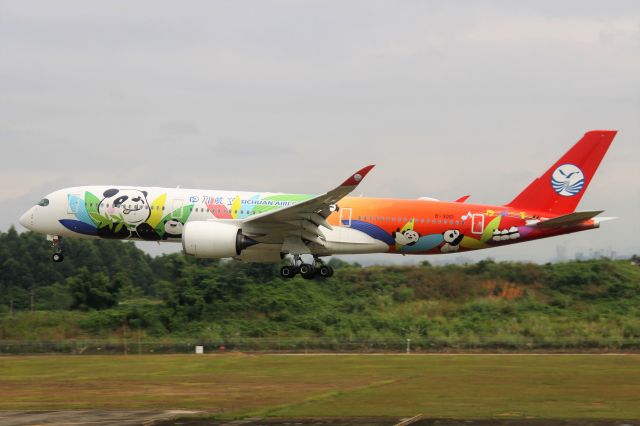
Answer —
129 206
173 229
452 239
405 238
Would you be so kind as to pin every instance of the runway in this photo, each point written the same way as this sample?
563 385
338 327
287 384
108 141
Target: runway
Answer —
91 417
195 418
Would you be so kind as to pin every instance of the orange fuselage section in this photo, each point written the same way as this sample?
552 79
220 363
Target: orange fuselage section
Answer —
433 227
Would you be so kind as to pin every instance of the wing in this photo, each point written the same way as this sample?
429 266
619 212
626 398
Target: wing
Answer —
298 225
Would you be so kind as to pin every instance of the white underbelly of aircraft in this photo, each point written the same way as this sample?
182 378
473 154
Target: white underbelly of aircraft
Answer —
344 240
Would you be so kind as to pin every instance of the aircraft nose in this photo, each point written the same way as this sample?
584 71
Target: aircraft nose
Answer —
26 219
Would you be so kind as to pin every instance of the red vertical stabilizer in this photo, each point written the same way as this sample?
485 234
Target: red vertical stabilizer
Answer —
560 189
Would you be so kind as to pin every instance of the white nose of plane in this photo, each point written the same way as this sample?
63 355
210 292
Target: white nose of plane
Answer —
26 219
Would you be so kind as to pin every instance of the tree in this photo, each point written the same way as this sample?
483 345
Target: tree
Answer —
92 290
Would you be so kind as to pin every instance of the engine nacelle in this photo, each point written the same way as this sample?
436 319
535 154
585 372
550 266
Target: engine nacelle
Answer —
213 240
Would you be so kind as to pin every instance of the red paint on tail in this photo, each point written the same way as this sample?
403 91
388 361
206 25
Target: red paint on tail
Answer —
560 189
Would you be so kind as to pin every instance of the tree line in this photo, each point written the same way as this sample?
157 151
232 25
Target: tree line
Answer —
112 283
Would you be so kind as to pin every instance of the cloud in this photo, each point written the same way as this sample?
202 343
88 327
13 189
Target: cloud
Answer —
510 29
180 128
446 98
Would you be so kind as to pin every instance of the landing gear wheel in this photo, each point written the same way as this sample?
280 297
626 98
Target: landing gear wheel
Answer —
288 272
57 257
325 271
307 271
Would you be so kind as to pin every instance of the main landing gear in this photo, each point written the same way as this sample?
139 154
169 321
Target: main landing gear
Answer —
306 270
56 242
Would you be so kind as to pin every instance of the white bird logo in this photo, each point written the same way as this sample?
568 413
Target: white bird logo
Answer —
567 180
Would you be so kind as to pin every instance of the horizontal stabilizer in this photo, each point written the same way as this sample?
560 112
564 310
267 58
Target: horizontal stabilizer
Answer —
568 219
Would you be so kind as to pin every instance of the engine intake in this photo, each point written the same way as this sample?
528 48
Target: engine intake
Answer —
214 240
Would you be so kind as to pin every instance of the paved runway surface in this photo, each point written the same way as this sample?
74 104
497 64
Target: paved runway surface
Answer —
184 418
394 421
89 417
377 421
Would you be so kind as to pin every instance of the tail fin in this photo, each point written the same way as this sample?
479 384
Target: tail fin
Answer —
560 189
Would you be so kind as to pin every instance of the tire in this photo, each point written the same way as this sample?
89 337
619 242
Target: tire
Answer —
307 271
287 272
325 271
57 257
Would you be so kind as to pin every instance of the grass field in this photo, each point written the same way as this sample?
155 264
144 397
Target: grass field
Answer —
460 386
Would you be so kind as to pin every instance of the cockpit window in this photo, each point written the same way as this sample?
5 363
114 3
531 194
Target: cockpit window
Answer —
44 202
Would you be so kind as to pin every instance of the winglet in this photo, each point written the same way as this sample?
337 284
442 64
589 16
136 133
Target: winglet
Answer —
357 177
462 199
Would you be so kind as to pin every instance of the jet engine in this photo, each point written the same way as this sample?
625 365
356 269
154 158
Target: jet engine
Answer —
213 240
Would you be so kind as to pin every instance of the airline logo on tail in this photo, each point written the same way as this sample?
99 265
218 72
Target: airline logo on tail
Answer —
567 180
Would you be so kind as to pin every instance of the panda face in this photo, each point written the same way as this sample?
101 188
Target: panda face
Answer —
451 235
173 228
406 238
411 235
129 204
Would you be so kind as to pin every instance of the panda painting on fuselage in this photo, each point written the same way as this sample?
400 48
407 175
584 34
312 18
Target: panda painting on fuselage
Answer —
129 210
172 229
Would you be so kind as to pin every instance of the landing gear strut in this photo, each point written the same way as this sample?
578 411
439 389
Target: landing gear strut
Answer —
306 270
56 242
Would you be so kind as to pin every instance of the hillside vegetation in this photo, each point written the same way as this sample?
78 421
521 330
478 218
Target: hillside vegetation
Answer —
104 288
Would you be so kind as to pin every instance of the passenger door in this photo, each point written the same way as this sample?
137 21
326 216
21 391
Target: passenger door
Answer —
477 224
345 216
74 203
176 208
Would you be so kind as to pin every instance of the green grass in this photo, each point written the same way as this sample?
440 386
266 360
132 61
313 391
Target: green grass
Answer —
479 386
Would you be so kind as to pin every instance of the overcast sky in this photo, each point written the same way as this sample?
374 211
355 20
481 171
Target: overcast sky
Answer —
447 98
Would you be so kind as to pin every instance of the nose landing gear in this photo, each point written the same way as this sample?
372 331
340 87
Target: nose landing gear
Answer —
306 270
56 242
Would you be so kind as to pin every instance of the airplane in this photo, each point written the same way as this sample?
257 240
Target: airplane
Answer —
266 227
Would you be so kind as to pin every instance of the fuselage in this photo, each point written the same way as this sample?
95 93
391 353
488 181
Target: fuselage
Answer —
360 224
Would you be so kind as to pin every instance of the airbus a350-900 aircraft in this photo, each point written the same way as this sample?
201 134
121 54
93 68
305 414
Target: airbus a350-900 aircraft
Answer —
264 227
